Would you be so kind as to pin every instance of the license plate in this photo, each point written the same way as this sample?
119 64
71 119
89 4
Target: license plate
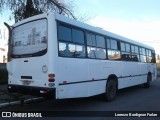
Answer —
26 82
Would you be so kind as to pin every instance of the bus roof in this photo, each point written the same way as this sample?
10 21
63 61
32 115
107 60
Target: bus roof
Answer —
41 16
70 21
98 30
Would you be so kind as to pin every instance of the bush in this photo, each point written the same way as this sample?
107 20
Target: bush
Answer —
3 76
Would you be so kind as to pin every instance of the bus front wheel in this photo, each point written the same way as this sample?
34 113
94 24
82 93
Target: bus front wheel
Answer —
111 90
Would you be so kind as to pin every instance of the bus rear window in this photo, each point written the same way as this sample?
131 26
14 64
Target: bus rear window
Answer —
29 39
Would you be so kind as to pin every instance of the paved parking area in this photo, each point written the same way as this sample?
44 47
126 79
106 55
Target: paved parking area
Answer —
6 97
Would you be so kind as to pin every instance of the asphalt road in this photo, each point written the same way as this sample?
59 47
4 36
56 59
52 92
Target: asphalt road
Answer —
130 99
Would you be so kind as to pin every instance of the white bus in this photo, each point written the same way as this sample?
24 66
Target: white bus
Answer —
56 56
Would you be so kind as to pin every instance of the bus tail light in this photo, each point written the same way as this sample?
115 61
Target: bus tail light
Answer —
51 77
51 80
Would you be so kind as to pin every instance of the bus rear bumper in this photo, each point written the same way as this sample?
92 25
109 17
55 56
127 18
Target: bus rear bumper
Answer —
31 90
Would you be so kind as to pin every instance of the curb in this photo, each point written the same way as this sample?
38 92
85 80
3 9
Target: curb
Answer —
21 102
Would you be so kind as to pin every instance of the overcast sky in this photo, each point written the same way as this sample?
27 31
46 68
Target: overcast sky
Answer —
135 19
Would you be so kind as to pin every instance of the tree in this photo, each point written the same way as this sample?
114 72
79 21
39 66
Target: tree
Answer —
22 9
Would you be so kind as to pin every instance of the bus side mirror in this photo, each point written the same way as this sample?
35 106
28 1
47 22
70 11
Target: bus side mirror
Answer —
9 40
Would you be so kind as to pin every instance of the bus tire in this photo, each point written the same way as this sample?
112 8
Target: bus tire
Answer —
111 90
147 84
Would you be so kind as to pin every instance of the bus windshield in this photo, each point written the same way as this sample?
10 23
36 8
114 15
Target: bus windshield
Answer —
29 39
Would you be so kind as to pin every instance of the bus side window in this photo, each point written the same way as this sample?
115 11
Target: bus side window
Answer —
91 45
134 53
91 40
80 51
149 56
77 36
125 52
113 51
91 52
153 57
143 56
100 47
71 42
100 53
64 33
65 50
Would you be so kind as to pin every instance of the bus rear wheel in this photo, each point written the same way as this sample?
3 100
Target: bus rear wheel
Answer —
147 84
111 90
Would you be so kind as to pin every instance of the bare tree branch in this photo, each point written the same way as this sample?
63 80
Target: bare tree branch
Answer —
25 8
